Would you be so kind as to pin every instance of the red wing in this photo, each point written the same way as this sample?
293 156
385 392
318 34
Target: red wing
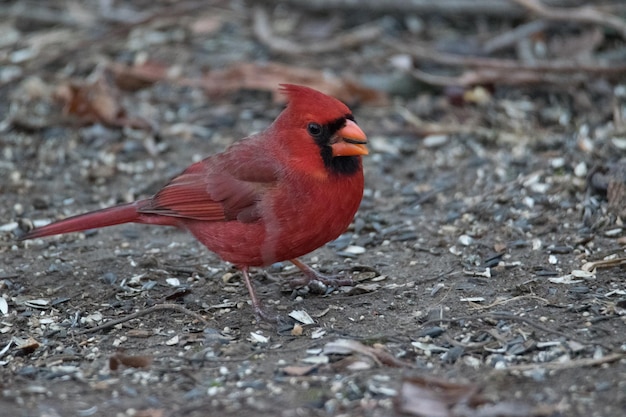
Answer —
219 188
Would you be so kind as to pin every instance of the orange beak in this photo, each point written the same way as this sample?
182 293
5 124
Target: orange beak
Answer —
351 141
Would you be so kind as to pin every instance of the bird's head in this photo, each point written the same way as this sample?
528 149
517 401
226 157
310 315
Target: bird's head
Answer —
326 122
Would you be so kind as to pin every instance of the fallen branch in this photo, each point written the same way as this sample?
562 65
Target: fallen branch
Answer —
505 71
558 366
584 14
444 7
514 36
350 39
499 77
422 52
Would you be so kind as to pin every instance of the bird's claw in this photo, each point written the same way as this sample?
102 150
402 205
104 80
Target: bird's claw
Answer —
262 315
319 283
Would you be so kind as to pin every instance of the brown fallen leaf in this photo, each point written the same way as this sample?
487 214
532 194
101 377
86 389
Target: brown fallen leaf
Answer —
299 370
434 397
26 346
267 77
375 353
96 102
137 77
119 358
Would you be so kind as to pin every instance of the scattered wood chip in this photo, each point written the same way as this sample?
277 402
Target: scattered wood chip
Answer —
297 330
119 358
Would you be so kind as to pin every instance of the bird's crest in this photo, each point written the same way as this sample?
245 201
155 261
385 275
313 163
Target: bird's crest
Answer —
307 101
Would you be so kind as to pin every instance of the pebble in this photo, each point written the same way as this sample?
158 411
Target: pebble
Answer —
433 141
174 282
354 250
557 163
619 143
580 170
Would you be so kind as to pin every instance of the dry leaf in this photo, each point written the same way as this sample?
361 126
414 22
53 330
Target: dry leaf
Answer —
130 361
376 353
96 102
267 77
434 397
27 346
299 370
139 76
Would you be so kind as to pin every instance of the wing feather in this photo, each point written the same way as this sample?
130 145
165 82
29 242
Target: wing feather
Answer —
219 188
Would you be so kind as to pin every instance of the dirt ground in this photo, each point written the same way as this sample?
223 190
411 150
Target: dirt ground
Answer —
473 247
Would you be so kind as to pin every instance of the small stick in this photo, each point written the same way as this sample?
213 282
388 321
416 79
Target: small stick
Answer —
158 307
584 14
346 40
577 363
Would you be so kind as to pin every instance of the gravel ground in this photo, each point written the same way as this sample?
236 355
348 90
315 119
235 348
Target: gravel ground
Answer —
488 250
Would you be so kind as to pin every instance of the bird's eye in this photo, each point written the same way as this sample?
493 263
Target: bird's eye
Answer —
314 129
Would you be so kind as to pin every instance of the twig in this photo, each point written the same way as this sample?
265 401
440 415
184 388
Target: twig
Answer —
558 65
457 7
155 308
504 71
350 39
584 14
513 36
462 8
557 366
501 76
505 316
520 297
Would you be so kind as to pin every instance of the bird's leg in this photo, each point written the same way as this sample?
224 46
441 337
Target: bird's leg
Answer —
311 275
256 304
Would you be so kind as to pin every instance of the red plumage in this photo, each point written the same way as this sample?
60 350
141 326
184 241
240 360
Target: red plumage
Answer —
271 197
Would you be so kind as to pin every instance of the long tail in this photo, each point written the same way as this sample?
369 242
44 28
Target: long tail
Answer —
124 213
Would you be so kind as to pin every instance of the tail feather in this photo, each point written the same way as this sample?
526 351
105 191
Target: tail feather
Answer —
124 213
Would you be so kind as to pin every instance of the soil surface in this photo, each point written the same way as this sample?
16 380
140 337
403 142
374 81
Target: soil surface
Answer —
472 248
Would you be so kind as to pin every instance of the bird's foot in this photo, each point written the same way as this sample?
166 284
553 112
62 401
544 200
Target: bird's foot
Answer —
317 281
262 314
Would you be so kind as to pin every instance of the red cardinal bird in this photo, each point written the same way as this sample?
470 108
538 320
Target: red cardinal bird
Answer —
271 197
